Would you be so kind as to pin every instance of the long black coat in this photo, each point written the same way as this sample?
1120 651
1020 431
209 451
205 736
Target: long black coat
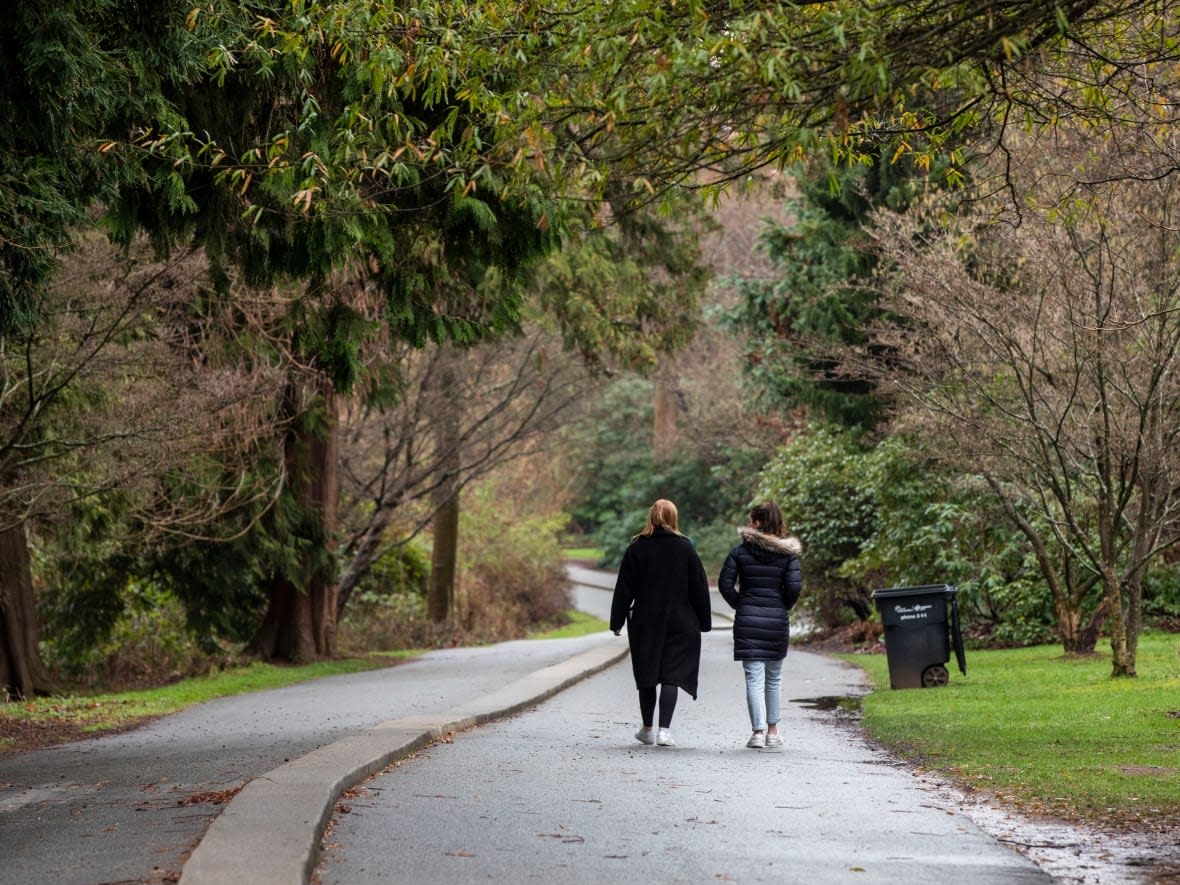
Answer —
762 580
662 595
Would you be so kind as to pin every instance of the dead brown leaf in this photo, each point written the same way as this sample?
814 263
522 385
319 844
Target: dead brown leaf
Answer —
212 797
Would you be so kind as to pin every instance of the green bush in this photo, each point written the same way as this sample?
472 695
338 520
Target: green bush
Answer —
1161 595
874 516
403 570
146 644
618 482
387 610
511 577
90 566
711 531
715 540
817 479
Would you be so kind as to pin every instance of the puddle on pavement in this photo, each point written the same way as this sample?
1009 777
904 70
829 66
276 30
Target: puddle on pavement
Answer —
841 704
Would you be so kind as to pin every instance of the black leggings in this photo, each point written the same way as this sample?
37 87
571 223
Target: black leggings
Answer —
647 704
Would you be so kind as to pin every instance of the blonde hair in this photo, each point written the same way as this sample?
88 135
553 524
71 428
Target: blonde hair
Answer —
661 515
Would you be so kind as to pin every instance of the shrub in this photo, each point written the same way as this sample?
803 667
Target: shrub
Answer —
404 570
512 570
617 480
511 577
147 644
886 516
817 480
1161 596
387 610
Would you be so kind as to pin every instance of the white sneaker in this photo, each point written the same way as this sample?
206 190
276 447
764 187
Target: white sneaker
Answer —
646 736
774 741
757 741
664 738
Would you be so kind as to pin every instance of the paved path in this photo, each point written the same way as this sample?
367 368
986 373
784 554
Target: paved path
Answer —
564 793
131 807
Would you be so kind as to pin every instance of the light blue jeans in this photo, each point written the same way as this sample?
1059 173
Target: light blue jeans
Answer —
764 681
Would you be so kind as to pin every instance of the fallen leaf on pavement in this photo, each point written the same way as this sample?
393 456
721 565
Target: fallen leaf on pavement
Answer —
214 797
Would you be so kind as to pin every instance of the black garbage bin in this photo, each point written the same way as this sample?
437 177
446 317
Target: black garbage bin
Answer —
921 627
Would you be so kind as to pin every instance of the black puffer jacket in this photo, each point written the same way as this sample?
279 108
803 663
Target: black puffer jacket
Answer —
762 580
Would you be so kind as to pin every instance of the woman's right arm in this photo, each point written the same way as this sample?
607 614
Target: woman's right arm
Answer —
620 605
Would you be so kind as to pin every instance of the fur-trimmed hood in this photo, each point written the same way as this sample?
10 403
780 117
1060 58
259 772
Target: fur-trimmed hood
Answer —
790 545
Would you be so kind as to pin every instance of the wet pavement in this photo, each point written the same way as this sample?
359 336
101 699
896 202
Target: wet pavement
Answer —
131 807
564 792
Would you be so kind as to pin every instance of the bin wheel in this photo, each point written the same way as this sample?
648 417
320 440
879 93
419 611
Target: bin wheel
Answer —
935 675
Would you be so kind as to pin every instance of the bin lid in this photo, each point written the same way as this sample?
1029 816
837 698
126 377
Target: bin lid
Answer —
947 589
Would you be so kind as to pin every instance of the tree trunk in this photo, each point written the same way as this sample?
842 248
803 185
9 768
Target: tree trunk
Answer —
1134 594
300 621
1063 591
1151 513
22 672
1078 638
286 630
1068 625
665 415
440 599
1087 638
1113 597
324 500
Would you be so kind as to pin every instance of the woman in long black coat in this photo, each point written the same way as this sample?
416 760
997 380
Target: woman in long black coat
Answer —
762 580
662 595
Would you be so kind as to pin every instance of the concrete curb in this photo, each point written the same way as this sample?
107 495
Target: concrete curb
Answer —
269 834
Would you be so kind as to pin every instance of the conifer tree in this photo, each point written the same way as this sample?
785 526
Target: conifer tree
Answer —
822 298
329 144
74 74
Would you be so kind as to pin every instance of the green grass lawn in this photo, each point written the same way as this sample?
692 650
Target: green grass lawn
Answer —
583 553
42 721
580 624
45 721
1055 734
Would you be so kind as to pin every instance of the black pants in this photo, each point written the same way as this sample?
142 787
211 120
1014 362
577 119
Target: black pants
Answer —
647 704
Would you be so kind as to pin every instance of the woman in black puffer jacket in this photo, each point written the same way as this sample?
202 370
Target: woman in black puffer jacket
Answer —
762 580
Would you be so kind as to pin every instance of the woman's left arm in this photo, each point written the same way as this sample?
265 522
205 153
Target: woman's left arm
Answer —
792 583
727 580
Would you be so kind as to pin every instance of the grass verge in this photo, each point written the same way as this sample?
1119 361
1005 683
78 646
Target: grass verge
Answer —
580 624
46 721
1047 733
43 722
582 554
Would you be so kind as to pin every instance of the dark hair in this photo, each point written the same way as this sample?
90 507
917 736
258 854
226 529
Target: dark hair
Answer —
769 519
